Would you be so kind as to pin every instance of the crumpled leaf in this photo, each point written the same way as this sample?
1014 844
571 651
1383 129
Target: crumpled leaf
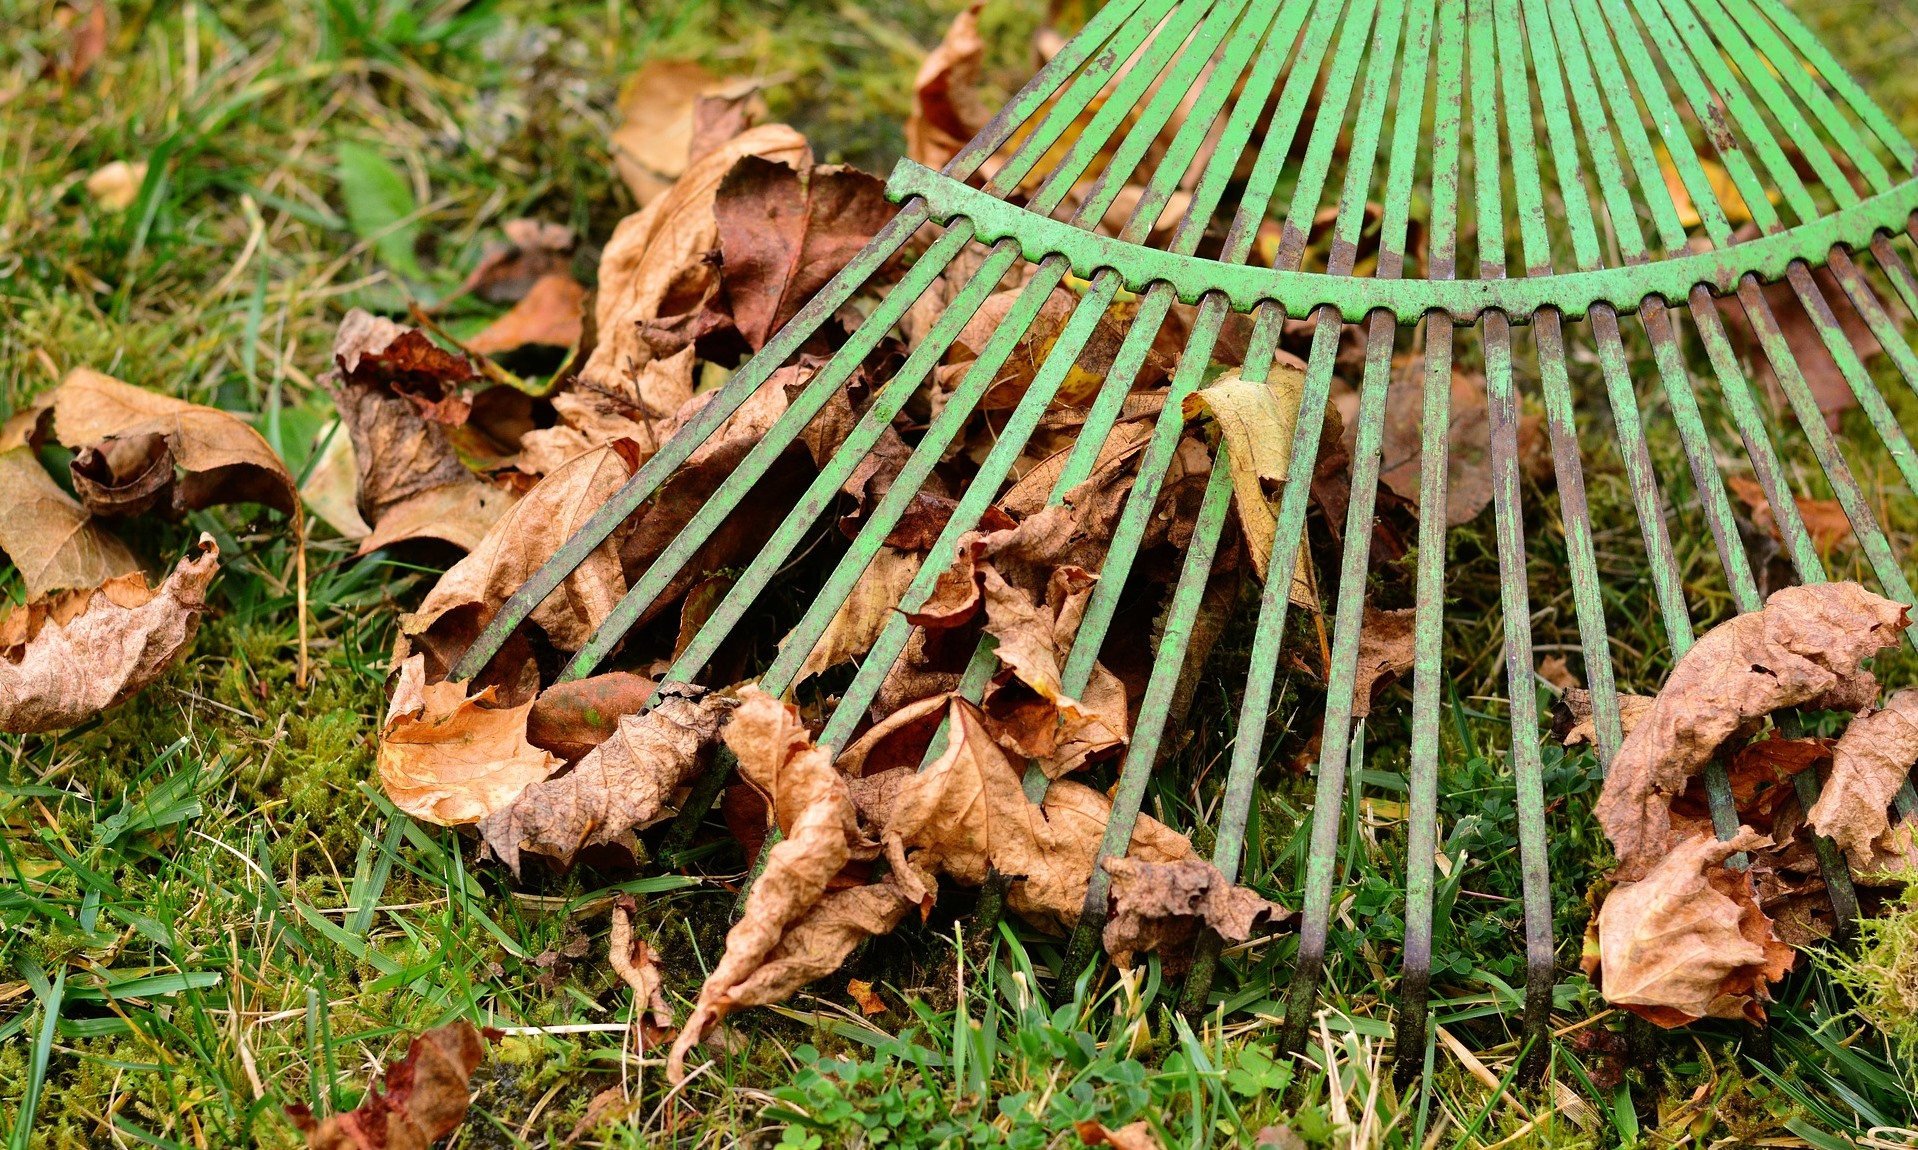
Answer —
548 315
967 813
527 535
67 657
534 250
1573 722
450 758
1688 941
398 393
1385 652
636 964
792 930
1468 484
655 268
132 438
1805 648
47 536
864 614
785 231
425 1097
661 108
947 109
1256 420
1159 908
621 785
867 999
115 185
1872 759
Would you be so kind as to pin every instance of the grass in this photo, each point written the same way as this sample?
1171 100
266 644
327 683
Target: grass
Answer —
210 912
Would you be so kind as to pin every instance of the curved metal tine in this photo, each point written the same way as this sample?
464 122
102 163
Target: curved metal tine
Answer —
1834 74
1502 404
739 483
1428 642
1555 380
1115 17
1736 390
1147 321
1731 95
1169 662
1724 89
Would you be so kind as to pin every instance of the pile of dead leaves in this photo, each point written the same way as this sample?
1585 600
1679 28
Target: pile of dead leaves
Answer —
1680 935
98 625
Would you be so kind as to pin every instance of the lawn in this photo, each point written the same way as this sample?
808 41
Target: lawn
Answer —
212 911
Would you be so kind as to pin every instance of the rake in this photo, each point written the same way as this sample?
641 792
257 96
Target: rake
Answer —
1168 94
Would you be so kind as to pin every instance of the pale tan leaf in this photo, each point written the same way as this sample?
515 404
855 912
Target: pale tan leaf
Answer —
659 113
332 487
1573 722
1256 421
621 785
527 535
1159 908
66 658
1872 760
425 1097
865 612
637 965
1805 648
1688 941
115 185
450 758
222 459
1135 1136
47 536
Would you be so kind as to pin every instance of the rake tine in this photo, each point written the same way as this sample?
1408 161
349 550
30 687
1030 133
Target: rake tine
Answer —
1862 105
1421 843
787 341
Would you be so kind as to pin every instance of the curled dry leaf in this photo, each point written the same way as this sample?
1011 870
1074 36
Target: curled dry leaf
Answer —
534 250
1824 519
1806 647
619 787
967 813
1256 421
947 109
637 965
655 268
425 1097
1159 908
114 186
397 392
785 231
1385 652
1572 721
130 440
792 930
1688 941
523 539
1872 760
572 717
450 758
47 536
66 657
867 999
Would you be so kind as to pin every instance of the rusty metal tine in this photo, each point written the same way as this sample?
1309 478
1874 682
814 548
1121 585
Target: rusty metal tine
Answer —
1421 842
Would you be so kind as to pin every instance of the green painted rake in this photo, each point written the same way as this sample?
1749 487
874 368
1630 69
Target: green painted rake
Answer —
1625 90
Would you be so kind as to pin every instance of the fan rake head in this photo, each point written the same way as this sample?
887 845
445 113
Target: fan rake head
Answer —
1586 129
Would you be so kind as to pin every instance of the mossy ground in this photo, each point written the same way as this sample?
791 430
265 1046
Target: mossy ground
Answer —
225 828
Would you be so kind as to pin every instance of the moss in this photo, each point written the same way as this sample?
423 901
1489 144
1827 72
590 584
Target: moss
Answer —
1881 973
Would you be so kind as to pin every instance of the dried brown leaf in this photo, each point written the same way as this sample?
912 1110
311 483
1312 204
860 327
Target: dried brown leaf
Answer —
572 717
1824 519
867 999
947 109
1688 941
425 1097
1256 420
1872 760
114 186
1806 647
220 458
1159 908
636 964
67 657
784 232
621 785
450 758
792 931
1136 1136
523 539
548 315
1573 722
534 250
1385 652
661 131
47 536
865 612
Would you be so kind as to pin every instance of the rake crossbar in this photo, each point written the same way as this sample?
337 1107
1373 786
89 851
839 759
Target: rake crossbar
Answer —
1554 151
